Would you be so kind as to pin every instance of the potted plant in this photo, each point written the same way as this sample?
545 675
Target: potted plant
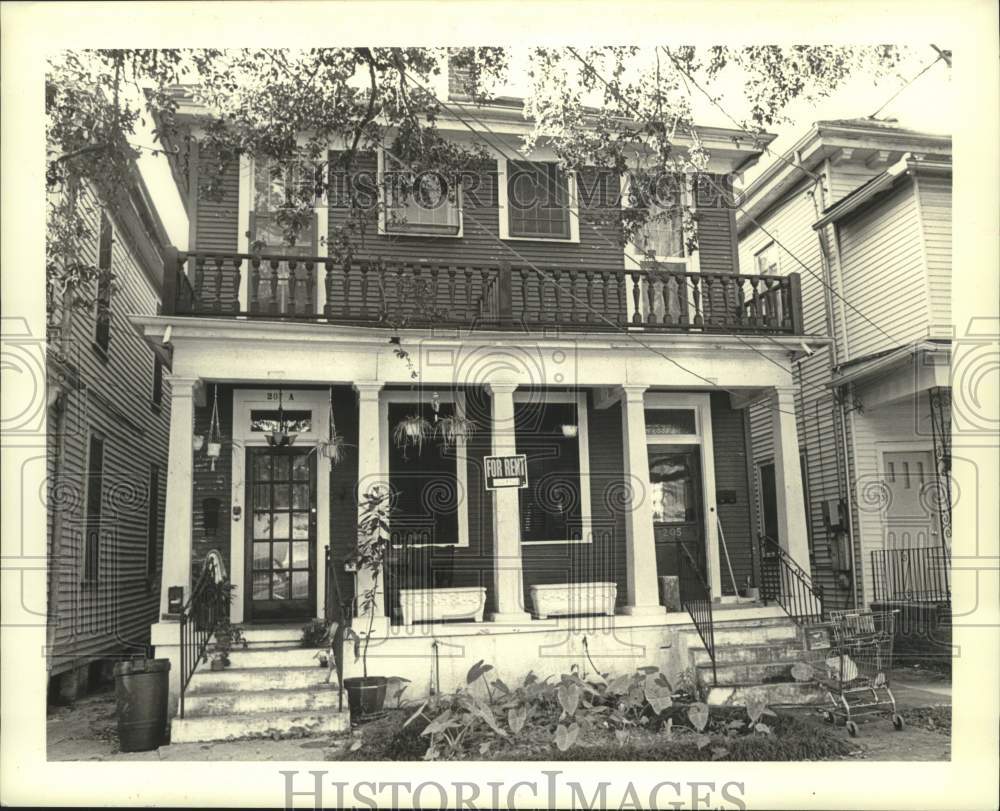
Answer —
411 431
227 636
452 428
366 694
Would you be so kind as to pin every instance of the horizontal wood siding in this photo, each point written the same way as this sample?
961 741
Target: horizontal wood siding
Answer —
729 442
935 214
113 615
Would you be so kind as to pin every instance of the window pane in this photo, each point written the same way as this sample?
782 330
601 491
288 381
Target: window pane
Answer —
279 586
300 464
673 488
281 468
261 581
300 496
262 497
262 525
538 200
280 525
300 555
281 497
670 421
551 505
280 555
262 468
266 419
300 585
262 556
422 204
300 525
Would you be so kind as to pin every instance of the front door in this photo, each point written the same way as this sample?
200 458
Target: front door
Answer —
911 518
675 477
280 535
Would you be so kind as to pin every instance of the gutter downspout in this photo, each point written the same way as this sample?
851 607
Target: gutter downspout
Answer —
838 401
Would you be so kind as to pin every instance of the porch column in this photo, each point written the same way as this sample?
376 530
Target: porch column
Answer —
508 579
370 475
793 532
180 480
643 596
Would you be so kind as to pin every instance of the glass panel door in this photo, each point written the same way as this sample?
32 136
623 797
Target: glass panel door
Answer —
675 479
280 534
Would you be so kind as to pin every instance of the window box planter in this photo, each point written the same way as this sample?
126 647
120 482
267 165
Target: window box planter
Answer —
561 599
436 605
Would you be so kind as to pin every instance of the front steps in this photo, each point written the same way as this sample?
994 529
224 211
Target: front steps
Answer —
755 658
272 689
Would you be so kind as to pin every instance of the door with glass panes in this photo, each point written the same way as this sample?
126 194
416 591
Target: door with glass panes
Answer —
280 534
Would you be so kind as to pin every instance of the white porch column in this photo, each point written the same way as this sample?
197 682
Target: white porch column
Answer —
643 596
508 580
793 532
180 480
370 475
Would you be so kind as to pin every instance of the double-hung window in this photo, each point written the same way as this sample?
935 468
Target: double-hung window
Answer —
551 431
766 260
538 201
418 203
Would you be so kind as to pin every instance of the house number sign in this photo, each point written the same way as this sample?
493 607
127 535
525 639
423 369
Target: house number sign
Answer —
506 471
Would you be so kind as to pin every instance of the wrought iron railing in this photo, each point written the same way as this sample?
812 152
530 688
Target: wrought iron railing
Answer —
200 617
696 599
786 583
912 575
515 296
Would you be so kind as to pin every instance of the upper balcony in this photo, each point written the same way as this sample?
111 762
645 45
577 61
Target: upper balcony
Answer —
372 292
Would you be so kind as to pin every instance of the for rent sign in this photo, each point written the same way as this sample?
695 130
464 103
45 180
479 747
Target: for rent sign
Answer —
506 471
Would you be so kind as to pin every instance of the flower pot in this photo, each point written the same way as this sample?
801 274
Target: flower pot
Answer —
218 664
197 442
752 593
570 431
365 696
214 449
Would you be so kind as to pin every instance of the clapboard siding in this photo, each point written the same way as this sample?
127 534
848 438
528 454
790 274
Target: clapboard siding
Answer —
113 615
882 267
935 214
730 454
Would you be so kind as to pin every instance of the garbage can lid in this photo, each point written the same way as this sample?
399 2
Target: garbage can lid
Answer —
141 666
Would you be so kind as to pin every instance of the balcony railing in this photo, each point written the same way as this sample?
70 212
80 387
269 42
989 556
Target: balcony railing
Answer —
912 575
505 296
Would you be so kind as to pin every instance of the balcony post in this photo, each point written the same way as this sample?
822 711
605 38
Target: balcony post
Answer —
176 570
643 598
793 531
370 475
795 297
508 579
168 296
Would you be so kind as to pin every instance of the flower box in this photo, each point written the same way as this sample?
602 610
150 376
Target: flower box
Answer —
560 599
436 605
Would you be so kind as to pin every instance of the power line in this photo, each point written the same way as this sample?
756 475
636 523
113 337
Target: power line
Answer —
926 68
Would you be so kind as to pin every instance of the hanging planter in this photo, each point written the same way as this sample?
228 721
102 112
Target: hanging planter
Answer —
198 442
570 431
334 446
450 429
280 437
412 431
214 449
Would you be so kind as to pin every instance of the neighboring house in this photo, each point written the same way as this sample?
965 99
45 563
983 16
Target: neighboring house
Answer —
107 447
608 369
862 209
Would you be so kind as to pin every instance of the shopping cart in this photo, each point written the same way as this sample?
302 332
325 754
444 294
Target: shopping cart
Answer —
856 670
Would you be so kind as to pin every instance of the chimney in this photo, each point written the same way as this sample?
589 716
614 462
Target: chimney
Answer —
459 74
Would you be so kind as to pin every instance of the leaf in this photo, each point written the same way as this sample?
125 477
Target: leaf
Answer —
719 752
415 715
357 745
702 740
569 698
620 685
482 709
621 736
476 671
648 669
439 724
755 707
762 727
498 683
484 747
566 736
516 716
801 671
698 715
657 692
668 728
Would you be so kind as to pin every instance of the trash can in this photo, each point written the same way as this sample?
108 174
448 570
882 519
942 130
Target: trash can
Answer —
141 689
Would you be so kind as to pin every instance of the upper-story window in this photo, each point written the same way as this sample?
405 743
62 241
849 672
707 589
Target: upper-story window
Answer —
766 259
102 333
418 204
661 238
279 190
538 201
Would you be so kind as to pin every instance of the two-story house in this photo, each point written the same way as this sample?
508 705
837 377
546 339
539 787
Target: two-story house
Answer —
108 425
862 209
622 376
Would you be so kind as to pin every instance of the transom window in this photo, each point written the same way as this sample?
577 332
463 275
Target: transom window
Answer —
540 201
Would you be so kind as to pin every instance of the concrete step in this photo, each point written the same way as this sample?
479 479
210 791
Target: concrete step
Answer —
273 657
778 651
736 695
286 636
257 702
282 724
755 673
257 678
727 635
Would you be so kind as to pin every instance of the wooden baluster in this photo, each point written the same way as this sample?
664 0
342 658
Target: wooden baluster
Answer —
636 315
611 282
328 288
526 313
451 293
292 284
708 300
419 298
234 299
435 274
697 320
470 311
272 280
741 302
588 297
253 286
755 298
557 280
219 273
199 283
310 308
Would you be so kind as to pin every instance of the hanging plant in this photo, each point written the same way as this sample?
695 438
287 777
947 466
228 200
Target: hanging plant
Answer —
411 431
334 446
214 432
280 437
450 429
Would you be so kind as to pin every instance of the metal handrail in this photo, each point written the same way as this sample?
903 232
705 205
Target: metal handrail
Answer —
699 604
785 582
198 621
911 574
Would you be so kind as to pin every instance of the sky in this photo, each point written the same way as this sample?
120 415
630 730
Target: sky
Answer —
926 104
